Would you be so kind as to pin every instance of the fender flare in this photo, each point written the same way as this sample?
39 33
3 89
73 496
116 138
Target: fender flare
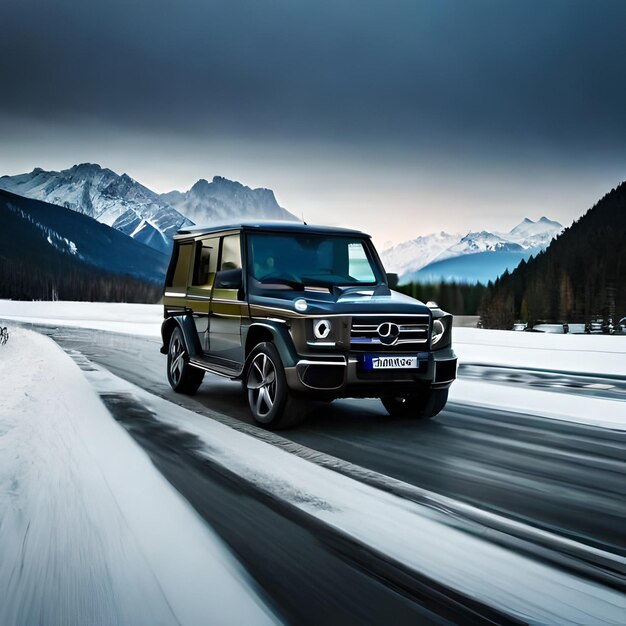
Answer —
280 337
188 328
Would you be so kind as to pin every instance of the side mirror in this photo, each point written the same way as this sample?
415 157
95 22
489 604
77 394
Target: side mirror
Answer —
392 280
229 279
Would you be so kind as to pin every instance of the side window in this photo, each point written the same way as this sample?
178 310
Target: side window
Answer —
229 275
181 269
205 264
359 267
231 253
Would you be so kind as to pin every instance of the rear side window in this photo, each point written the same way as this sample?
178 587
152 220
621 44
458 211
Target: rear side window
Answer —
205 265
231 253
181 265
229 275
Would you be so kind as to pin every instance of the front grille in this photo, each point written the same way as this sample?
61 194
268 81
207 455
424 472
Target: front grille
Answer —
414 332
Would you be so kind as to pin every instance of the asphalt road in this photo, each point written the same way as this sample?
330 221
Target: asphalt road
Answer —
562 477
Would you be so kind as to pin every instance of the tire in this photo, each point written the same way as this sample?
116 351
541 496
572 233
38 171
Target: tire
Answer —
420 406
272 404
183 377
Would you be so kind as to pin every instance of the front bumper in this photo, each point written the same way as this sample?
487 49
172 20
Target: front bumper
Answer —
341 376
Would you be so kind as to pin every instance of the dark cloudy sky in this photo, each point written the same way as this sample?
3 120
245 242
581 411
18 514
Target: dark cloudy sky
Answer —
400 117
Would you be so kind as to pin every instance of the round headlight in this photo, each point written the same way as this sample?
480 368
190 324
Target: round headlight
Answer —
300 305
438 331
322 328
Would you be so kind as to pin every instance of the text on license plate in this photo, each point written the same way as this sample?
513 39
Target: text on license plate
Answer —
393 362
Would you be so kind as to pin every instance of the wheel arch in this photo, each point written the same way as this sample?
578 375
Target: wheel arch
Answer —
274 332
189 332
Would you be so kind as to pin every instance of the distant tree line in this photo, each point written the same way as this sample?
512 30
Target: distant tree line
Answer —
453 297
581 275
20 280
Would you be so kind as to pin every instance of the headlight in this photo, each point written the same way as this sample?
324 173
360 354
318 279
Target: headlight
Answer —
439 330
322 328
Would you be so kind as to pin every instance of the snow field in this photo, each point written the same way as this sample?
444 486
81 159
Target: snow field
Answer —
90 532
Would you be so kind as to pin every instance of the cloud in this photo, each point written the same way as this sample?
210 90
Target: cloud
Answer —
544 76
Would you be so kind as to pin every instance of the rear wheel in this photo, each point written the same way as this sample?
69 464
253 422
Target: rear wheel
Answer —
183 377
423 405
272 403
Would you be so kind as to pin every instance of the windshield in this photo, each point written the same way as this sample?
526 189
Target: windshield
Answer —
292 261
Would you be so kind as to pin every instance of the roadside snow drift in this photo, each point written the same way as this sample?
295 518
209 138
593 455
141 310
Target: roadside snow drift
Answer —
90 532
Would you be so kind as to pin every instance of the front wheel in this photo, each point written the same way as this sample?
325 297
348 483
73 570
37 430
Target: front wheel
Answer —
272 404
426 404
183 377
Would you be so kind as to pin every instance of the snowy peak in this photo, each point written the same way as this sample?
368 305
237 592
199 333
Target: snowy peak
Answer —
542 226
537 234
224 200
482 241
98 192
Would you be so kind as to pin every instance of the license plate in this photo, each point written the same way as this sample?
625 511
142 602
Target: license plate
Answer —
376 362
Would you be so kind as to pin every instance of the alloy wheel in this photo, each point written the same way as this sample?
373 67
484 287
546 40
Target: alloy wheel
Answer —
261 385
177 359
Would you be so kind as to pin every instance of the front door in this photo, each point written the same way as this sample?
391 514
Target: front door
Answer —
227 305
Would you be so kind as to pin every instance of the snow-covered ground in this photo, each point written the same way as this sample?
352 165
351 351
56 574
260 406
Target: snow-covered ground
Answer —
565 407
585 354
515 584
90 532
134 319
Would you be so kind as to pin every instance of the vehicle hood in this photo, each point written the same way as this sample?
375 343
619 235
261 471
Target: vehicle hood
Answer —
343 301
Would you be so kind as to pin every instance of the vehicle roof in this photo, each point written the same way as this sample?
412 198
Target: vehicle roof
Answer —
269 226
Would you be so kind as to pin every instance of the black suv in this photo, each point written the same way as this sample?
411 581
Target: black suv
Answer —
300 312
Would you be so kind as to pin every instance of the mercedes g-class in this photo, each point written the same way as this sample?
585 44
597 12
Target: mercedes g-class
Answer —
300 313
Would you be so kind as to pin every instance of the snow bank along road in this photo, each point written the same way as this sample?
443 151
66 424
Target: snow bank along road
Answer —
478 515
90 532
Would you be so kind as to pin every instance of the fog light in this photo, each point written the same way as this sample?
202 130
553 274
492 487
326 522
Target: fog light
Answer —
300 305
322 328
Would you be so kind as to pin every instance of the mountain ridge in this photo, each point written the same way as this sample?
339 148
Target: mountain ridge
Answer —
116 200
120 201
224 200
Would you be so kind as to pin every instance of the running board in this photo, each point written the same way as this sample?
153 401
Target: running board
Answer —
214 368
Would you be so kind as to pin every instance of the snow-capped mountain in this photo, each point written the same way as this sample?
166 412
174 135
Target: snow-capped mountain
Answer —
416 253
114 200
224 200
482 241
531 234
526 238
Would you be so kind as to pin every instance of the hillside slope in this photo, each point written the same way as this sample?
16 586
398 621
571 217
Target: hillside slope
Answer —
47 251
478 267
